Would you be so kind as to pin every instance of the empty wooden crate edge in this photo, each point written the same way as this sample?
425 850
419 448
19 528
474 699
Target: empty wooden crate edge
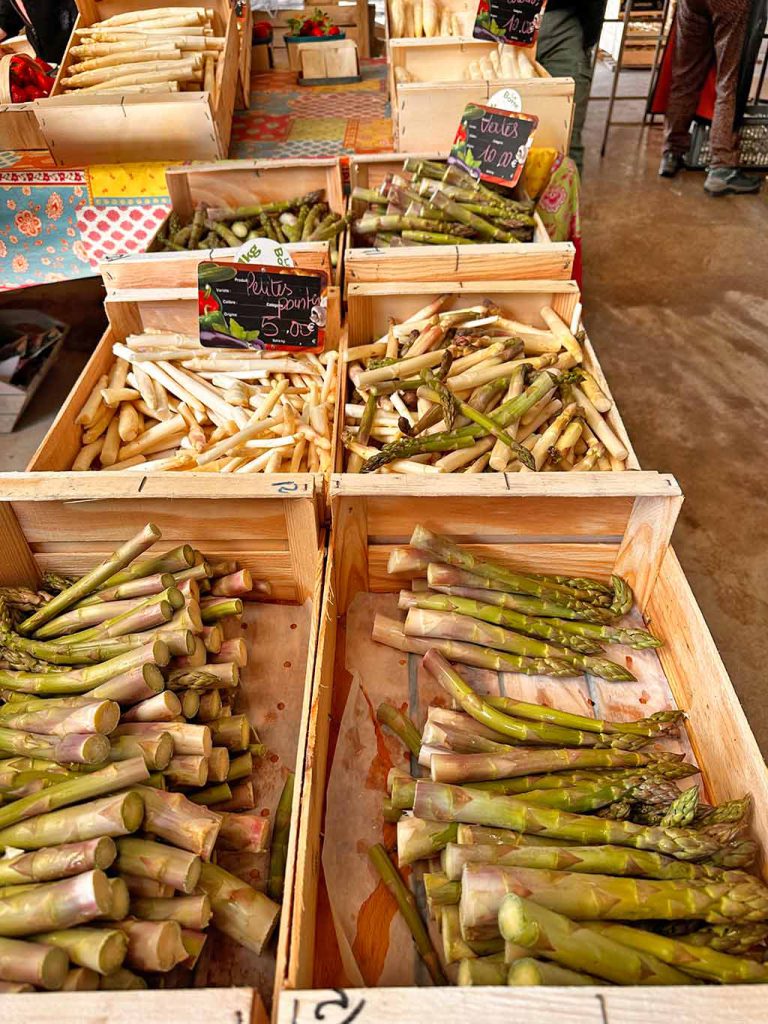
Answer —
577 533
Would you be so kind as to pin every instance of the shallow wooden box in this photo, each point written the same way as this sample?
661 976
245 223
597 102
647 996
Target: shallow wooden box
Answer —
19 129
351 18
130 312
119 128
624 527
426 115
50 523
231 183
486 261
369 307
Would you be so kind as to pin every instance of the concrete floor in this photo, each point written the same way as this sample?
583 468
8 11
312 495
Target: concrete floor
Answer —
676 297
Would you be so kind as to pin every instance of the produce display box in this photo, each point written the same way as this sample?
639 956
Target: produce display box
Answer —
49 523
232 183
369 307
131 312
426 114
485 261
14 398
351 18
466 9
121 128
19 129
623 527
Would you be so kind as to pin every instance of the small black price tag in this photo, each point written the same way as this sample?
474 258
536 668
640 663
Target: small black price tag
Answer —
493 144
253 306
509 21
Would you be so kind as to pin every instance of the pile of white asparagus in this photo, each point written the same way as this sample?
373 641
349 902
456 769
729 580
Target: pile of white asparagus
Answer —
473 390
169 404
162 50
412 19
501 64
127 779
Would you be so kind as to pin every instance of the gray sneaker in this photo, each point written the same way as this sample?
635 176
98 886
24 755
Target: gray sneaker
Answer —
723 181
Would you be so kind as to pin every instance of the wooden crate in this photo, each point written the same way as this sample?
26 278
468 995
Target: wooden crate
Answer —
334 63
19 129
14 398
245 31
541 258
467 8
232 183
625 527
47 524
131 312
369 307
426 115
115 128
351 18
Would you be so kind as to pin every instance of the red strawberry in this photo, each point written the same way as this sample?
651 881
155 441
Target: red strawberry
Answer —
333 30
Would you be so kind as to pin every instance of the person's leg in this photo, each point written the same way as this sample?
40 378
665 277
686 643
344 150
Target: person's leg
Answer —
729 19
694 49
561 51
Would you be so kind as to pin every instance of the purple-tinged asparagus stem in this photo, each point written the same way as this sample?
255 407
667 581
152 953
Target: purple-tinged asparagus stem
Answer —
99 949
245 833
157 750
153 945
98 717
92 581
85 787
81 979
460 768
213 609
210 706
188 911
217 796
115 815
162 707
150 613
187 738
225 676
55 905
81 623
190 703
137 684
174 818
146 888
15 987
142 587
241 798
235 585
196 659
213 638
188 618
32 963
407 561
239 911
218 765
420 839
187 770
55 862
232 733
234 651
146 859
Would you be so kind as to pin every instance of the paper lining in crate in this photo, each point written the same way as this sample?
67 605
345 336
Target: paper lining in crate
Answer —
372 307
232 184
484 261
195 394
350 947
47 526
130 125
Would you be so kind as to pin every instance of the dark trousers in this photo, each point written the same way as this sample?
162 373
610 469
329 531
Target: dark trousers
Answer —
704 26
561 51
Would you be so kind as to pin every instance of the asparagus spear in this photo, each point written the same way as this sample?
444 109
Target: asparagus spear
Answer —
116 815
485 970
736 938
655 725
99 949
681 811
153 945
607 860
146 859
459 768
280 833
455 947
55 905
439 802
540 972
418 839
81 979
407 907
91 748
52 863
188 911
699 961
122 981
32 963
439 890
401 725
606 897
579 948
239 911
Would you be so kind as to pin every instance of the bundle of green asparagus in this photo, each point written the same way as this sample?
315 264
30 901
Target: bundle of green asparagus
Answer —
474 390
436 203
301 219
541 866
126 788
480 613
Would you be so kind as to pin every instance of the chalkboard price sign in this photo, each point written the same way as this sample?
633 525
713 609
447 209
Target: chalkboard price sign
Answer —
253 306
493 144
509 21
